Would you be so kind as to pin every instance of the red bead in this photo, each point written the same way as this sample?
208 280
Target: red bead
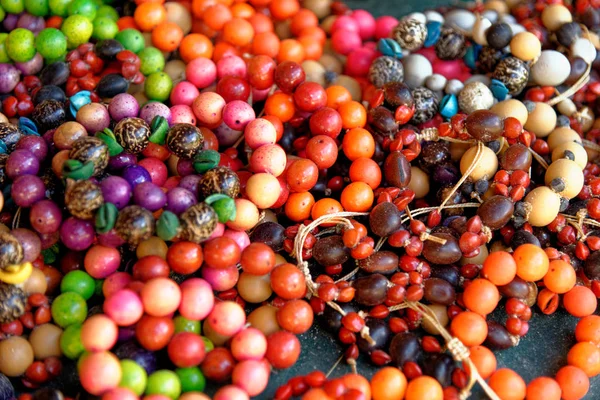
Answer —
353 322
398 325
283 392
411 370
380 357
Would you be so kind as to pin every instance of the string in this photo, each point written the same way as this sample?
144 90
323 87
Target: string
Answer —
581 82
538 158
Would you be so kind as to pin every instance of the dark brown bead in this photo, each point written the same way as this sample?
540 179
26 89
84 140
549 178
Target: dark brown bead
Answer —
439 291
488 59
134 224
397 94
219 180
371 290
433 153
383 262
133 134
12 302
516 288
496 211
382 121
484 125
83 198
385 219
498 337
11 251
405 347
90 148
379 331
330 250
198 222
516 157
184 140
443 254
592 266
396 170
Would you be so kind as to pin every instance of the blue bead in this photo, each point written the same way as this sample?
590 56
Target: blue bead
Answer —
3 148
433 33
449 106
28 127
498 89
390 48
471 55
79 100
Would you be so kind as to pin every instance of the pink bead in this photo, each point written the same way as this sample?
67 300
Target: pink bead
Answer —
201 72
197 299
221 278
269 158
231 66
344 41
110 239
240 237
101 261
259 95
119 394
453 69
384 26
249 344
208 108
237 114
230 392
218 232
366 23
346 23
156 168
115 282
124 307
185 167
227 318
184 93
359 61
252 376
183 114
259 132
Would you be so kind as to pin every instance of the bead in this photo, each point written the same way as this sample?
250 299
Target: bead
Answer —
513 73
134 224
511 108
410 34
486 167
436 82
11 251
569 173
475 96
454 86
13 301
561 135
426 105
489 58
541 120
198 222
584 49
133 134
555 15
451 44
385 69
390 48
479 29
525 46
83 198
572 151
449 106
434 16
219 180
184 140
496 211
417 69
90 148
460 19
566 107
484 125
568 33
434 29
545 205
499 35
551 68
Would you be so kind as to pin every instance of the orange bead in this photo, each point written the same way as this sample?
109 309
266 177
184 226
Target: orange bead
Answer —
238 32
313 50
149 15
588 329
304 18
326 206
284 9
261 23
508 385
199 6
481 296
280 105
470 328
242 10
532 262
290 50
580 301
316 394
543 388
224 49
389 383
195 45
499 268
424 387
357 197
299 205
336 95
216 16
484 361
560 277
365 170
127 23
585 355
358 142
353 114
573 382
357 382
266 43
167 36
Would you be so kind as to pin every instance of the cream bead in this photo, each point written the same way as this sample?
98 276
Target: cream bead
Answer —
511 108
479 28
454 86
517 28
541 120
561 135
545 206
475 96
461 19
584 49
436 82
434 16
417 69
497 5
566 107
315 71
418 16
351 84
587 117
419 182
569 173
485 168
525 46
490 15
551 69
555 15
571 150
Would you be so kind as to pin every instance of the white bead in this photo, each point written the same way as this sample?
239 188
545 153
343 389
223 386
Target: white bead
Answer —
436 82
417 68
475 96
583 48
566 107
454 86
517 28
418 16
551 69
479 78
478 34
434 16
509 19
461 19
491 15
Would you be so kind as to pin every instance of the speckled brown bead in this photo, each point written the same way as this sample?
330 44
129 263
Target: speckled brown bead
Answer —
49 114
90 148
219 180
83 198
488 59
426 105
134 224
12 302
10 135
11 252
133 134
451 45
198 222
385 69
184 140
410 33
514 73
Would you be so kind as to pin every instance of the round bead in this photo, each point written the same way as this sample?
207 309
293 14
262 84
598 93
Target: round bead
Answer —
454 86
219 180
485 168
511 108
417 69
450 45
426 105
499 35
569 173
545 206
551 69
83 198
475 96
184 140
525 46
572 151
489 58
385 69
561 135
434 16
513 73
555 15
541 120
198 222
461 19
11 251
584 49
568 33
90 148
410 33
436 82
479 29
133 134
134 224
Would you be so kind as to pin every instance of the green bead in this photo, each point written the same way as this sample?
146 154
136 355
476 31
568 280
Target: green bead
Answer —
183 324
51 43
70 342
68 309
158 86
192 379
164 382
108 137
59 7
106 216
39 8
159 127
208 344
2 14
79 282
223 205
13 6
3 54
151 60
99 284
78 30
77 170
108 12
87 8
205 160
134 377
104 28
131 39
167 226
20 45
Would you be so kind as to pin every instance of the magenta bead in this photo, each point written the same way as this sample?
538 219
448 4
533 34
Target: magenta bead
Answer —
184 93
110 239
115 282
27 190
30 242
197 299
35 144
366 23
124 307
219 230
49 239
240 237
45 216
201 72
359 61
21 162
231 392
183 114
77 234
384 26
231 65
259 95
123 106
185 167
101 261
221 278
346 23
154 108
454 69
156 168
237 114
344 41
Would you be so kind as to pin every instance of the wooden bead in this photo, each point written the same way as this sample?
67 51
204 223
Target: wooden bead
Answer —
478 34
551 69
497 5
566 107
561 135
485 168
571 175
419 182
542 120
525 46
511 108
545 206
555 15
571 149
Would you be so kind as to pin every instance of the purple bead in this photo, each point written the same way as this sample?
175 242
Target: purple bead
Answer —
116 190
123 106
31 22
179 200
110 239
149 196
120 161
21 162
49 239
77 234
185 167
190 183
136 174
35 144
151 110
30 242
10 22
26 190
45 217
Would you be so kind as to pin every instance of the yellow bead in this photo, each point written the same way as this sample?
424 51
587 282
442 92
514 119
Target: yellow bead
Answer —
154 246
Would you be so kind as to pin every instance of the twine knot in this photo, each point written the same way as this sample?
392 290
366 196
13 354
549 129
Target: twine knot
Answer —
459 351
429 135
487 232
428 236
